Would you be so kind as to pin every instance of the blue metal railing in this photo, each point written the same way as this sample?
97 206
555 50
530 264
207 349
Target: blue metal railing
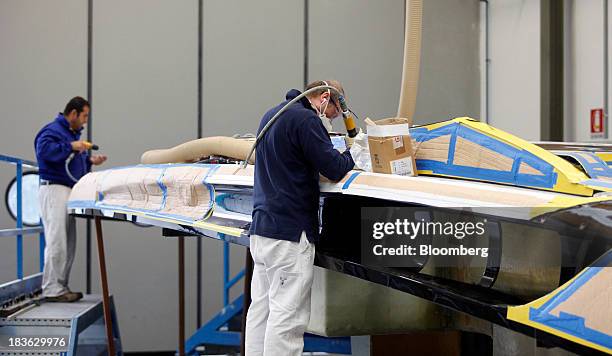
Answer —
227 282
19 231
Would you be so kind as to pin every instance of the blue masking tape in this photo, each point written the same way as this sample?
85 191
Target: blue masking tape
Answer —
572 324
234 202
597 183
350 180
164 189
548 177
81 204
210 187
422 134
594 170
451 146
487 141
163 167
219 199
546 180
145 212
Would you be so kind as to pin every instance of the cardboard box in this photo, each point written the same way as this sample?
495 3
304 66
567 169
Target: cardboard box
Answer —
391 149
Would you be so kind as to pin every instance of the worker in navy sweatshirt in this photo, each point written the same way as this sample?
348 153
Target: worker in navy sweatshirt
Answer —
54 144
289 159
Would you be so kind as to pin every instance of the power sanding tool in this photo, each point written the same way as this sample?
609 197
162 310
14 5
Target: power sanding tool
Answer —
90 146
349 121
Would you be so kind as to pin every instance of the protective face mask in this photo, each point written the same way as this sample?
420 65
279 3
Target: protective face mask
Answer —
323 109
324 119
326 122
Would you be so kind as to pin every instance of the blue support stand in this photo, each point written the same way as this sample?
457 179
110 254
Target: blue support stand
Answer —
20 231
79 324
19 176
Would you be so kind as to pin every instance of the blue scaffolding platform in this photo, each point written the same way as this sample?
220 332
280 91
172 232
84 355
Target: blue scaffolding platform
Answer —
28 324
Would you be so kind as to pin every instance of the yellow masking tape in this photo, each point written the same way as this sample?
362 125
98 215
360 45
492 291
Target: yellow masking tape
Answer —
520 314
568 176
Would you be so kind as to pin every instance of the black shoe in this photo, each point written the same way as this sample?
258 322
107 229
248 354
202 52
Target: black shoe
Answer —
67 297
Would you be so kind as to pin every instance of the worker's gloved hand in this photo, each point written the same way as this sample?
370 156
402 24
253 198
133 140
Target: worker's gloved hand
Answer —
79 146
98 159
360 151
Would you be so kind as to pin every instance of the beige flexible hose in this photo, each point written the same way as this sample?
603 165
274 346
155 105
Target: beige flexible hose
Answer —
192 151
412 59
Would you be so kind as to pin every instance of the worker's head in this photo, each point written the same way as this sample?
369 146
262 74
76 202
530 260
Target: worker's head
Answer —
77 112
325 101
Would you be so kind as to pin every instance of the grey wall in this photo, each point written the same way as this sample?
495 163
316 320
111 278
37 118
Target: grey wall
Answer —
363 49
42 62
253 52
585 67
515 67
449 83
145 96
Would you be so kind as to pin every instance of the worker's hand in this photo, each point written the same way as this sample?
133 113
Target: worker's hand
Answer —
97 159
79 146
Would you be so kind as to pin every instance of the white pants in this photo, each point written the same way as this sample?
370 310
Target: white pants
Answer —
60 239
280 296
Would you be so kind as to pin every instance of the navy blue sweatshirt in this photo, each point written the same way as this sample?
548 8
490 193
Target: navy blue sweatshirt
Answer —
52 145
288 161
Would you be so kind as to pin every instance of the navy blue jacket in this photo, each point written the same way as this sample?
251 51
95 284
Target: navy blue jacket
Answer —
52 145
289 159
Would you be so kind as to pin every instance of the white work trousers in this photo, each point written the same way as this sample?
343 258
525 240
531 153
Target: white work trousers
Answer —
280 296
60 238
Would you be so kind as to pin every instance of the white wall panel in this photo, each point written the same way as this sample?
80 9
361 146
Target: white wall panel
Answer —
360 43
253 54
363 48
515 67
450 66
586 65
144 97
43 61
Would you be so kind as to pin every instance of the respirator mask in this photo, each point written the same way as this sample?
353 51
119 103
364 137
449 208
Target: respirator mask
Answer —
327 122
324 119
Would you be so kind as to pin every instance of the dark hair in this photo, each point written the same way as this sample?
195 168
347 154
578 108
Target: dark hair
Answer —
77 103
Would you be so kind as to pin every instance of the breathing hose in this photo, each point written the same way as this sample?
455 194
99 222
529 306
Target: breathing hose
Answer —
67 169
282 110
71 157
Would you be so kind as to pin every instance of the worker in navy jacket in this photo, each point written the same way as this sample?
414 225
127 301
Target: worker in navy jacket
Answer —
57 143
289 159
